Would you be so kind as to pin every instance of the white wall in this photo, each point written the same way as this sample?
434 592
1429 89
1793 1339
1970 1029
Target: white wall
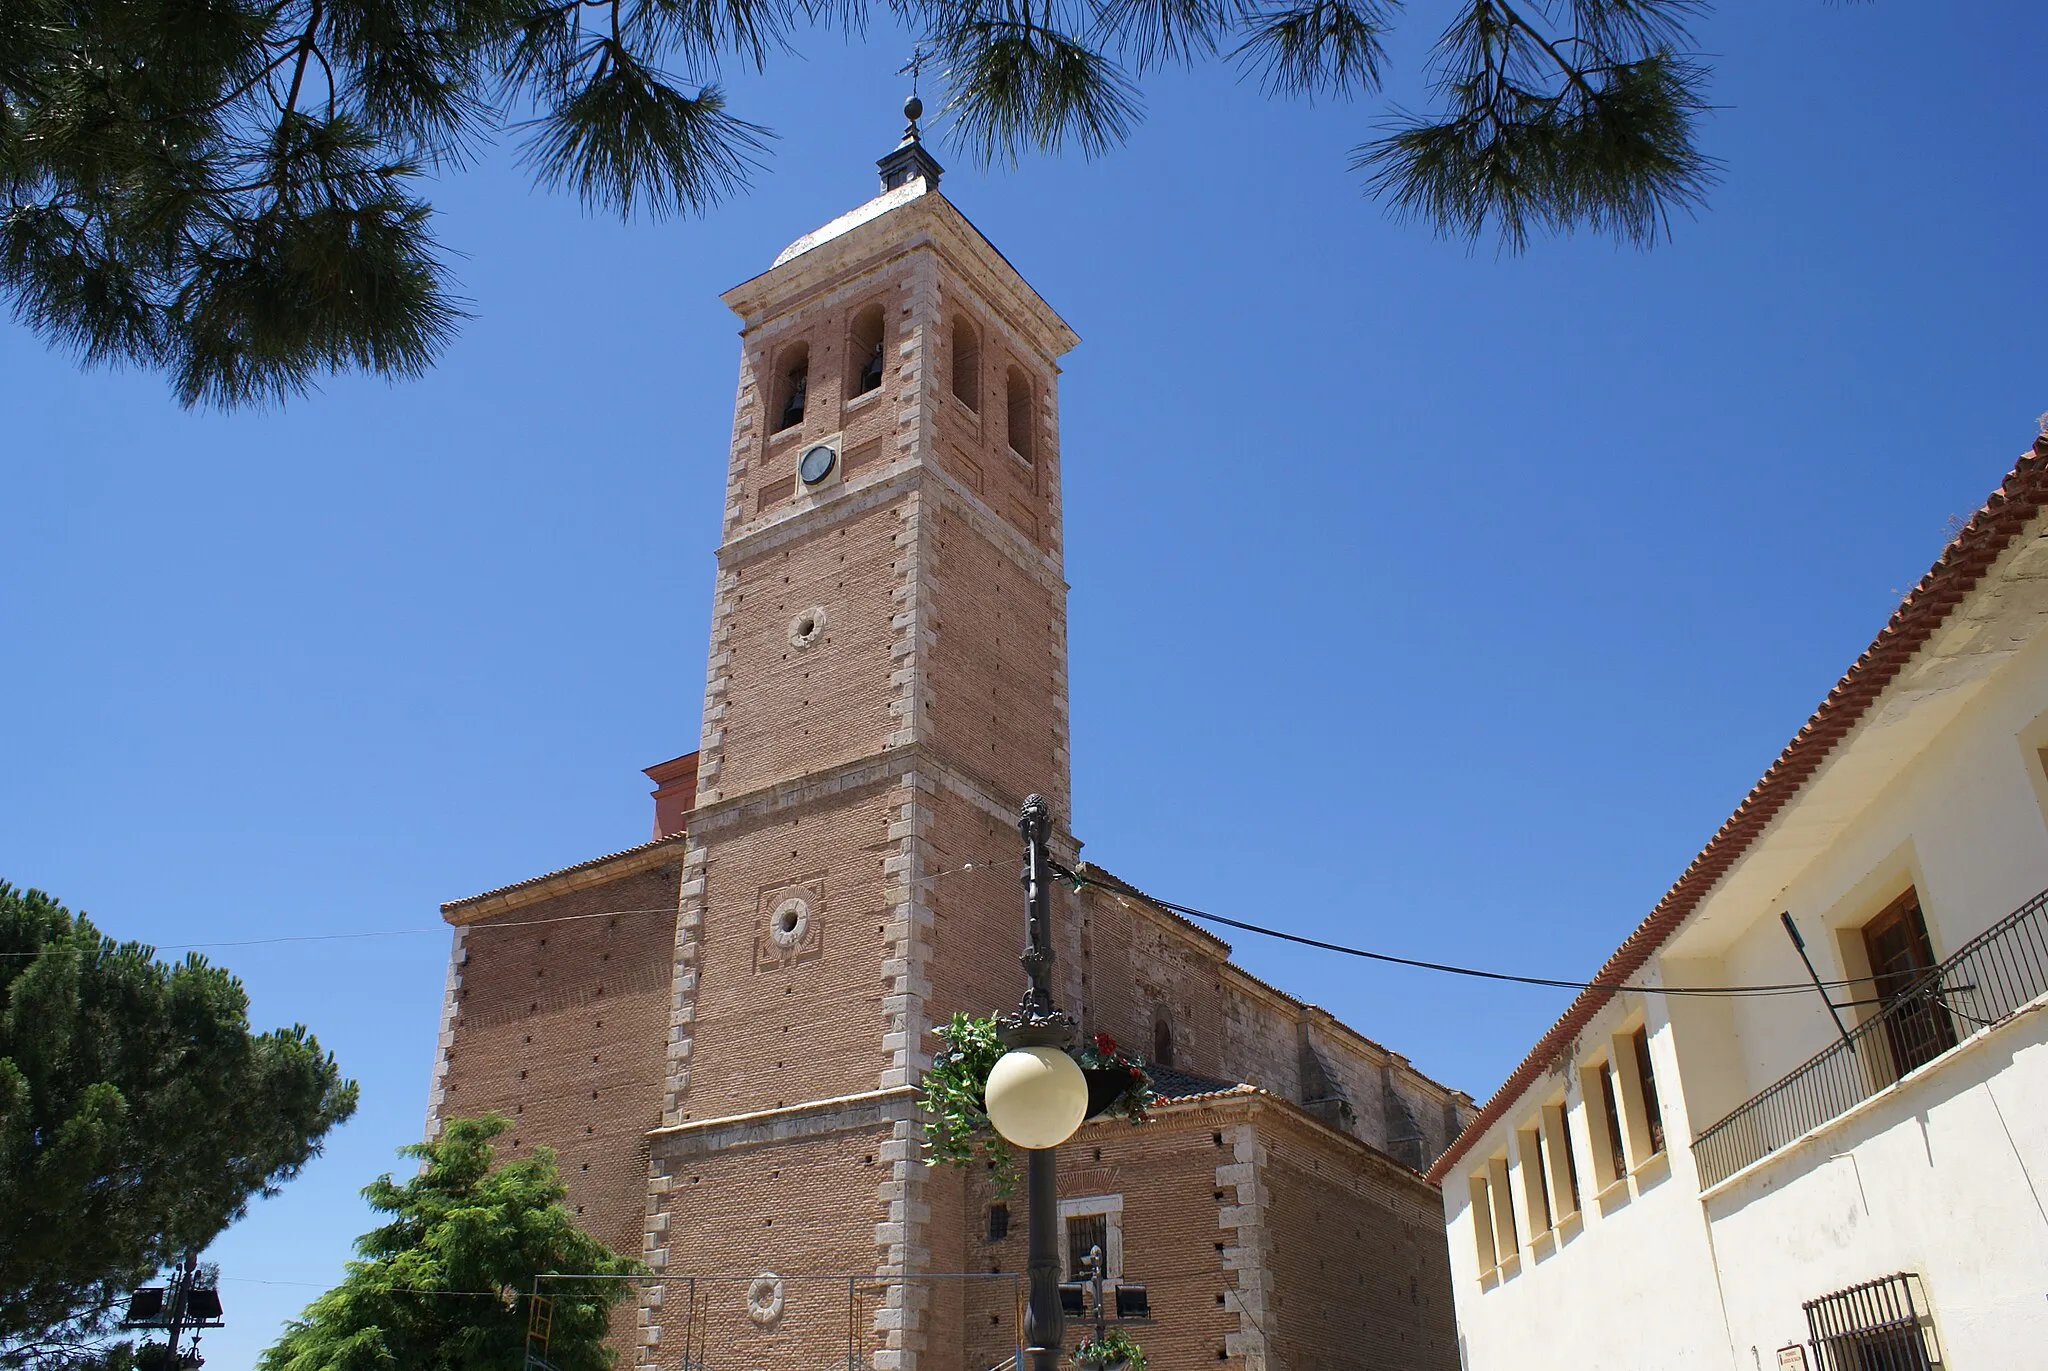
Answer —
1629 1284
1923 1179
1945 1175
1963 824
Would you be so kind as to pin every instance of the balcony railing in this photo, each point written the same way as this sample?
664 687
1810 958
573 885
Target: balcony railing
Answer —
1985 982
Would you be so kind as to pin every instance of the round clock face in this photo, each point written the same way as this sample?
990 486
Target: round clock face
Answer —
816 463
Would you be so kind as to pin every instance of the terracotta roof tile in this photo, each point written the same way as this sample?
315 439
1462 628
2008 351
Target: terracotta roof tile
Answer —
562 871
1963 563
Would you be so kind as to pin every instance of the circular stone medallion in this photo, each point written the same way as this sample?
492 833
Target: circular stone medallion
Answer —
764 1299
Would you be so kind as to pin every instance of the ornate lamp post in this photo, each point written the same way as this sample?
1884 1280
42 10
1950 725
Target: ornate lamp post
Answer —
1037 1097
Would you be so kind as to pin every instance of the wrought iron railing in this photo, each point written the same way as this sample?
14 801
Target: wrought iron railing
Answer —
1880 1325
1986 981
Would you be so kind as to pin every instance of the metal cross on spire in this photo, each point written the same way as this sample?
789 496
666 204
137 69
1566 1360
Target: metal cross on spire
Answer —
910 160
913 107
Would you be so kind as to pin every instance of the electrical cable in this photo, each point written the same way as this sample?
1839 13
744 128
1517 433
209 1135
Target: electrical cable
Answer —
1077 880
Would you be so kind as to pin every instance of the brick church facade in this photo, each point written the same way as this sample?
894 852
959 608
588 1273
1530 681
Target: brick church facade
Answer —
719 1032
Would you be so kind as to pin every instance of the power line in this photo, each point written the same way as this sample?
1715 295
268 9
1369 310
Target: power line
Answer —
1188 911
1077 880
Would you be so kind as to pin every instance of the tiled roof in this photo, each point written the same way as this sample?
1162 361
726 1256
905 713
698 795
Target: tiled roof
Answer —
563 871
1962 565
1109 880
1106 880
1169 1084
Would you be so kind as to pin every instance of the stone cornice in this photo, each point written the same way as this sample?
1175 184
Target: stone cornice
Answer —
939 226
901 477
878 768
837 1114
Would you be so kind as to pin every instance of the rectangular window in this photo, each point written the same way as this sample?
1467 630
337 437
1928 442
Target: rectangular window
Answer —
1881 1325
1559 1164
1611 1112
1917 1028
1482 1222
1088 1222
998 1222
1535 1198
1086 1233
1506 1236
1603 1125
1646 1081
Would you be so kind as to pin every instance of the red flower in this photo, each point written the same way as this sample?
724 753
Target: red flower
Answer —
1105 1044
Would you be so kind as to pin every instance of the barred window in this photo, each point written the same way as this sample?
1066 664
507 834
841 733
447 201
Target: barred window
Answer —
1086 1233
1881 1325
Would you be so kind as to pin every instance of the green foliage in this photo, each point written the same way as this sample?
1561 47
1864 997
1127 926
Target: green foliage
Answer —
138 1115
953 1098
1113 1348
954 1088
445 1285
226 190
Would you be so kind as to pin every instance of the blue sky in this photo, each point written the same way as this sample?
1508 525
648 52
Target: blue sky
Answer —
1423 599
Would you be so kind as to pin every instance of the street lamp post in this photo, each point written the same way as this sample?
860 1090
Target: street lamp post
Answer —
1036 1095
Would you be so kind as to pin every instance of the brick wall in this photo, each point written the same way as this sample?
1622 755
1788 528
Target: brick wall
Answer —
1141 968
1144 965
560 1025
1361 1278
765 478
775 1025
1173 1244
792 709
725 1213
994 661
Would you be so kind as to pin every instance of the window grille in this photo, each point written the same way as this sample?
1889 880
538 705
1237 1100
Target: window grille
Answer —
1880 1325
1086 1232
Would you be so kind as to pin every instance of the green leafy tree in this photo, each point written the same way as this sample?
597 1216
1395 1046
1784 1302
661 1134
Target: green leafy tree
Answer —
226 190
138 1115
444 1285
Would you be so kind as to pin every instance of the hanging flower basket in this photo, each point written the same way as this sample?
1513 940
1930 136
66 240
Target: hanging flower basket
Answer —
953 1096
1114 1352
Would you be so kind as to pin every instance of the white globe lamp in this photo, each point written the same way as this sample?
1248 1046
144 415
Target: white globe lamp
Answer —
1036 1097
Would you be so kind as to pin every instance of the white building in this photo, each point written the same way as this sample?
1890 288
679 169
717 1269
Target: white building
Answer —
1676 1181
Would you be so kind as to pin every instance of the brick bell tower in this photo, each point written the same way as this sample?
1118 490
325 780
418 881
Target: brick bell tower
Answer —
717 1033
887 680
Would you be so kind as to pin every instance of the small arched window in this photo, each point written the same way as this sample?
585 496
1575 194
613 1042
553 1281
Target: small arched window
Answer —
967 363
1021 426
792 380
1162 1039
864 351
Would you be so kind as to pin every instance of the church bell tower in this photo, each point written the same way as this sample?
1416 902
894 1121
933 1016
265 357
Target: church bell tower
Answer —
886 682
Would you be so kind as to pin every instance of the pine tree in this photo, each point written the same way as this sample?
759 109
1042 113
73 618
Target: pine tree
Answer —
226 190
138 1116
446 1284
